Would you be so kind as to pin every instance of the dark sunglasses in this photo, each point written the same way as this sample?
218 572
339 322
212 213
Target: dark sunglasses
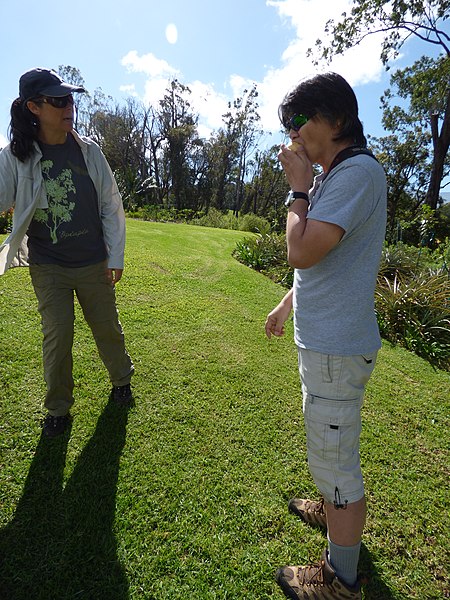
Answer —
296 122
57 102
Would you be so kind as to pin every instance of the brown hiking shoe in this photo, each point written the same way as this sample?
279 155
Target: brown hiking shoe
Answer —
311 512
315 582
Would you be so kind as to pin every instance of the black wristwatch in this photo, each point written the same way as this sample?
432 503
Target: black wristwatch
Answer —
294 196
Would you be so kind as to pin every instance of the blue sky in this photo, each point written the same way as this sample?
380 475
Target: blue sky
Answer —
218 49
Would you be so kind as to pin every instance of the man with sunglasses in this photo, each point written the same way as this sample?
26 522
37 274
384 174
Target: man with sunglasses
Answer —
335 232
69 228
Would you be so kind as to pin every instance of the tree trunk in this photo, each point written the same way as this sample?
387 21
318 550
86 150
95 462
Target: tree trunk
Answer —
441 145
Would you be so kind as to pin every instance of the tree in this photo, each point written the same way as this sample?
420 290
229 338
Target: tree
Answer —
267 188
407 152
232 147
73 76
398 21
178 126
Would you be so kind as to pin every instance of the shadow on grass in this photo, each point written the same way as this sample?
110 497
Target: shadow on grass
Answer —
60 543
375 588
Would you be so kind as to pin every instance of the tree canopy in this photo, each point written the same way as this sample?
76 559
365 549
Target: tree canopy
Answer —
396 20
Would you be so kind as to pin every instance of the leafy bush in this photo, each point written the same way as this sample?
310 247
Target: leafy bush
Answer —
6 221
410 260
153 212
415 312
218 219
213 218
254 223
399 259
441 256
266 253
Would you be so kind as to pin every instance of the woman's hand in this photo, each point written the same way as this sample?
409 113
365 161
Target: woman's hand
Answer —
114 275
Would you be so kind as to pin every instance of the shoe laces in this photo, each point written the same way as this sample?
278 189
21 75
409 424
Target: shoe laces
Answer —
311 575
316 507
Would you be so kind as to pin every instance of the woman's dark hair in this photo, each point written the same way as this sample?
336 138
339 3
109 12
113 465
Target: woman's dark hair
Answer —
329 96
23 130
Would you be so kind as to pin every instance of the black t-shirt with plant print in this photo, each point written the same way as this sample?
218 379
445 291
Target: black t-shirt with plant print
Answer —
69 232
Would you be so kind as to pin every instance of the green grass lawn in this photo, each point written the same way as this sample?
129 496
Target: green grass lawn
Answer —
185 495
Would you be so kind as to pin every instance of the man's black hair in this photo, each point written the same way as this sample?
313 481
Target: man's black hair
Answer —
329 96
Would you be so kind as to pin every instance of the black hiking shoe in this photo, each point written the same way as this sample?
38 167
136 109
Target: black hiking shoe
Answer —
54 426
122 395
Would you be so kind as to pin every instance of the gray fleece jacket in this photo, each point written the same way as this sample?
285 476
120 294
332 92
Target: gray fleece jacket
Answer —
22 188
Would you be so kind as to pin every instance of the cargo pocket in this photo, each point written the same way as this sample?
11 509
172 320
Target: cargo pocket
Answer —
333 428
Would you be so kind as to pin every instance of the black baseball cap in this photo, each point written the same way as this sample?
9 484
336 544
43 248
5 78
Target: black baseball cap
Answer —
44 82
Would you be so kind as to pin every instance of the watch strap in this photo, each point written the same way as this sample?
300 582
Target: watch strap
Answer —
292 196
302 195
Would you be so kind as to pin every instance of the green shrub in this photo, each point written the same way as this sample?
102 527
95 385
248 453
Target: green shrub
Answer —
213 218
415 313
218 219
6 221
158 213
254 223
266 253
441 256
410 260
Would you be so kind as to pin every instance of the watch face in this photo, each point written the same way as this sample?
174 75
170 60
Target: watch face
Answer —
289 198
294 195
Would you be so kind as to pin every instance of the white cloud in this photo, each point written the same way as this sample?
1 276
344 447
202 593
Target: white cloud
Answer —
158 73
148 64
209 104
307 18
171 33
3 141
359 65
130 90
154 90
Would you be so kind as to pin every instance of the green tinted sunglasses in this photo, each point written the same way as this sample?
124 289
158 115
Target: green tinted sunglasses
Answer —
296 122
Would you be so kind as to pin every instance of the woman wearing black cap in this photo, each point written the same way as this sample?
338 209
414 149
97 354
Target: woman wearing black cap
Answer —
69 227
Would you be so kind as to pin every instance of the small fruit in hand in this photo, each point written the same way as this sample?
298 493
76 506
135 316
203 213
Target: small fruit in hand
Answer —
293 146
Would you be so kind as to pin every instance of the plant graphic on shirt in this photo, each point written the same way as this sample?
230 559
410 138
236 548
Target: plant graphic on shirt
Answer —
59 209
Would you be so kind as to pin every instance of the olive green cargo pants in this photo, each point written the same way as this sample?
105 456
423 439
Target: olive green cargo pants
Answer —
55 287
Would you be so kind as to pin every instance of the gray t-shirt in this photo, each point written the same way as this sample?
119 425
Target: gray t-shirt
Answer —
69 232
334 299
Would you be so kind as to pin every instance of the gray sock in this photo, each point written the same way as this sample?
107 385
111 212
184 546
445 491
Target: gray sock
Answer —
344 560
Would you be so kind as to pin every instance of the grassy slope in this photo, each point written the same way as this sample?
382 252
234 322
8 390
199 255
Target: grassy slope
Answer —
185 496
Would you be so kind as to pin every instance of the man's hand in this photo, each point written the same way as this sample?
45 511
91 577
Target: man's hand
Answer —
114 275
278 316
274 325
297 168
